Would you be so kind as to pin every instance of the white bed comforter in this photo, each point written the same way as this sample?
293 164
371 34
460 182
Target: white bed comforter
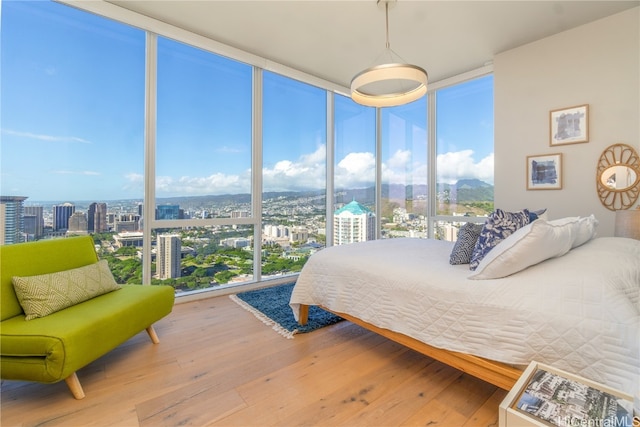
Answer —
579 312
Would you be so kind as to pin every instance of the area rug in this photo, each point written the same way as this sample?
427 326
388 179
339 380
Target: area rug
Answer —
271 306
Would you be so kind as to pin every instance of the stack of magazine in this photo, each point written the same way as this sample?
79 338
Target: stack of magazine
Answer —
566 403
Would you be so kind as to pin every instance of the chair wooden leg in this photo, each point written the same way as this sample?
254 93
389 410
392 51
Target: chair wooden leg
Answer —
74 385
153 335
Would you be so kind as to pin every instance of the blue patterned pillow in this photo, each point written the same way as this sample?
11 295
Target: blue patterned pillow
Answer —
467 238
533 215
499 225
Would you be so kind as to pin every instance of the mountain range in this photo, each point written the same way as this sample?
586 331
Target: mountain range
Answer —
463 191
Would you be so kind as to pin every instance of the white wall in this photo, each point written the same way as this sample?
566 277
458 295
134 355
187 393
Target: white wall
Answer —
596 64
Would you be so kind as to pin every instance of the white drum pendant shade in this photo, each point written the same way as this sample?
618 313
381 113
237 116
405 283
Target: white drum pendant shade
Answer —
389 84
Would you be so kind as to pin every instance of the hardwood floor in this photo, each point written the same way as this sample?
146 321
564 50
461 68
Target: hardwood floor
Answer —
217 365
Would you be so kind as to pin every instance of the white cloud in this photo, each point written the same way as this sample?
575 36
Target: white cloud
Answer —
228 149
68 172
415 174
457 165
217 183
43 137
134 182
308 172
485 169
400 159
135 178
355 170
400 169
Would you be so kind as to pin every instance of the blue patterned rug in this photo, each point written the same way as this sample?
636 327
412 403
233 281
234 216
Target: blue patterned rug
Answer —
271 306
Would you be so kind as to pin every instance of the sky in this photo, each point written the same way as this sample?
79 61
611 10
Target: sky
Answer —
73 109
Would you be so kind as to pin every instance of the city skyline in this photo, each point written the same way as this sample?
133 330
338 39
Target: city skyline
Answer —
92 149
342 192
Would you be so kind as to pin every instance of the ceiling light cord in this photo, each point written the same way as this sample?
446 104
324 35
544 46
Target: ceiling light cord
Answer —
386 13
391 54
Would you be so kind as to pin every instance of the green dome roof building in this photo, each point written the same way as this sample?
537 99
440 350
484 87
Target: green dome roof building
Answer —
353 223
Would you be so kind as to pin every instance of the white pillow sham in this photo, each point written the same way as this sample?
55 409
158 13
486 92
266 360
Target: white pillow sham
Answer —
527 246
585 228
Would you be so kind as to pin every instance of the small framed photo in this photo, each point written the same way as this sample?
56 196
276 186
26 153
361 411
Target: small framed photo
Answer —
544 172
569 125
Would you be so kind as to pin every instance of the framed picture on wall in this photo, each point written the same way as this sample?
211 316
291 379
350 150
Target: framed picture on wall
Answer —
569 125
544 172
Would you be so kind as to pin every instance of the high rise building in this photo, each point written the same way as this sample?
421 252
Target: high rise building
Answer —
91 215
29 223
61 215
34 221
127 222
12 219
168 256
97 218
168 212
240 214
135 239
353 223
78 223
299 234
275 231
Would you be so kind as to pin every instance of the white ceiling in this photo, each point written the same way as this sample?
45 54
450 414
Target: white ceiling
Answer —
334 39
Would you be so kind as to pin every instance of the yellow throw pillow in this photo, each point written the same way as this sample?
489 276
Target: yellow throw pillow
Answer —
44 294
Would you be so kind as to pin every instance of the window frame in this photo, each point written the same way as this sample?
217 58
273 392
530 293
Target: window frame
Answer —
154 28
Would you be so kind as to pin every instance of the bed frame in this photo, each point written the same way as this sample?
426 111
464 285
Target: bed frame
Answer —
496 373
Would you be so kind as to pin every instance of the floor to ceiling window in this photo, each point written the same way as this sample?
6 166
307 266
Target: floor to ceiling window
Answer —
235 185
464 163
203 142
354 202
404 170
203 155
294 147
73 124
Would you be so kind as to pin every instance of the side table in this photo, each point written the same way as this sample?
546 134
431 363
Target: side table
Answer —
545 396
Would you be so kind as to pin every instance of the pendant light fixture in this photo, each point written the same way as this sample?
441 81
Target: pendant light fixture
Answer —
390 83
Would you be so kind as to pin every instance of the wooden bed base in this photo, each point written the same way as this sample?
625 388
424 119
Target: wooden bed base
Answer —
496 373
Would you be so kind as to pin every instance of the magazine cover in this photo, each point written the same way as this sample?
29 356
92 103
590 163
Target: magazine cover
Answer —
563 402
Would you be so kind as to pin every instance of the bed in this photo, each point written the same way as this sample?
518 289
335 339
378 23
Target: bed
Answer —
579 312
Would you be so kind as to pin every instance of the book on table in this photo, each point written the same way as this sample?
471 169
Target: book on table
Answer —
560 401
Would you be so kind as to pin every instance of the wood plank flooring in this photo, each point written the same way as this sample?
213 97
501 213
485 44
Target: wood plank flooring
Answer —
217 365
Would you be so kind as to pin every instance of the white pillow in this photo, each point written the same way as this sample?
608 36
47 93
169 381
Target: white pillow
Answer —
585 228
527 246
566 220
